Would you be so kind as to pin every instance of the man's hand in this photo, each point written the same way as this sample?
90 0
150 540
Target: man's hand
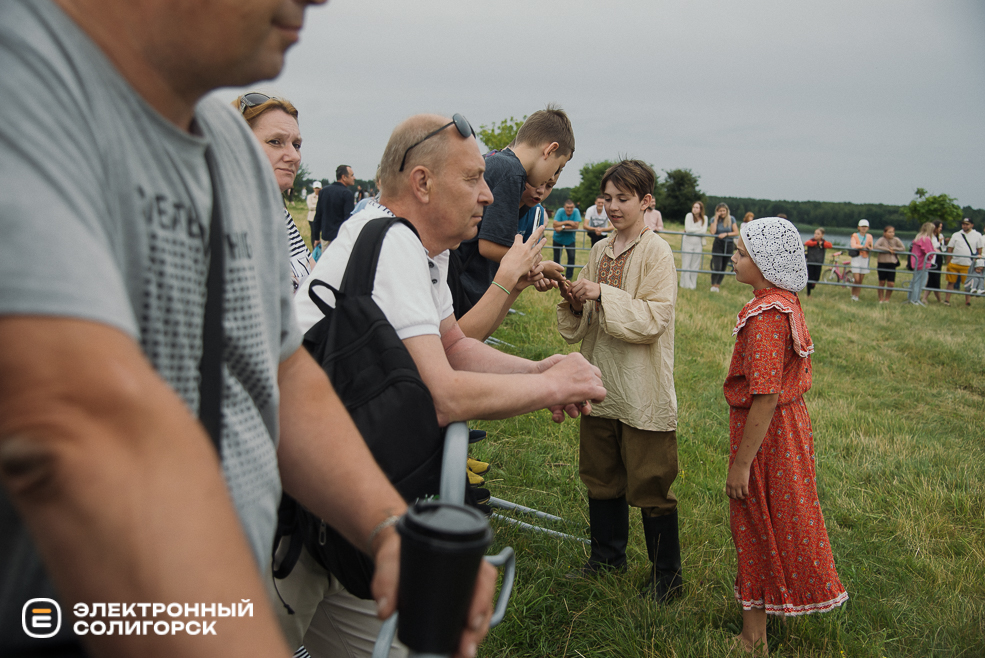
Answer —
573 410
386 583
480 612
579 382
546 364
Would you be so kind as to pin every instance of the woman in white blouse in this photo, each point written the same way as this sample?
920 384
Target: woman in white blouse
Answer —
695 226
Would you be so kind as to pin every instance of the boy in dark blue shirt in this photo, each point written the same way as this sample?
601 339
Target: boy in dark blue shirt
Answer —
543 145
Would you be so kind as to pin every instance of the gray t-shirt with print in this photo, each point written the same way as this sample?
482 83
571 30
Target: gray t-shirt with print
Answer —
129 197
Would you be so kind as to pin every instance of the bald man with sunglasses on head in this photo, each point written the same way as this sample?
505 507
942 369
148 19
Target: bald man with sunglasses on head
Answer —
113 495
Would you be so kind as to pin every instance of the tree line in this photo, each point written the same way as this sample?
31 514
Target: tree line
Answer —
677 189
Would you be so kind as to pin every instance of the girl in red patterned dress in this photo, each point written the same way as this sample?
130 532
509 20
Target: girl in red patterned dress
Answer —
785 565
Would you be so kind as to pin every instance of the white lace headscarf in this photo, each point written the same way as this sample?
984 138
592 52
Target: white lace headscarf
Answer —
774 245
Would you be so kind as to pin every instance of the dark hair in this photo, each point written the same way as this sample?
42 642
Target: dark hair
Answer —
340 171
547 126
633 176
887 227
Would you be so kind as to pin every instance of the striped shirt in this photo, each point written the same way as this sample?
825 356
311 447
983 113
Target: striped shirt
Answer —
301 264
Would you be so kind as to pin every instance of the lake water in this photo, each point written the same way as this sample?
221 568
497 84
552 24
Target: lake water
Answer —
841 241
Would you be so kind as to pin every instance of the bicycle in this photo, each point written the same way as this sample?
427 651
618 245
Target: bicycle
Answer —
839 272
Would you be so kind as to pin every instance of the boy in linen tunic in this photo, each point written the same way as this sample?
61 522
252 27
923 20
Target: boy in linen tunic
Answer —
622 309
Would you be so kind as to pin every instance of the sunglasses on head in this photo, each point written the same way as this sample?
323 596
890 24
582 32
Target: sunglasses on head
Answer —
457 120
253 99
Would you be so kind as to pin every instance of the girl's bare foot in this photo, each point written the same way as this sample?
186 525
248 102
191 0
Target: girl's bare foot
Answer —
758 648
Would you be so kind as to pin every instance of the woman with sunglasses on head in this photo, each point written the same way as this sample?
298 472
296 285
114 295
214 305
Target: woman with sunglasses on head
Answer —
274 122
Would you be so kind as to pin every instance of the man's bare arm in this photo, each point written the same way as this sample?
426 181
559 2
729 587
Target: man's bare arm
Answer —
120 487
469 382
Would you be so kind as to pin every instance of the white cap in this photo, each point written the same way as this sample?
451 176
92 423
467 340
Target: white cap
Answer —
863 222
316 184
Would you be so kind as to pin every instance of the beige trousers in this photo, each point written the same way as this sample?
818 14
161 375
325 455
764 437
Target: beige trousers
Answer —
327 619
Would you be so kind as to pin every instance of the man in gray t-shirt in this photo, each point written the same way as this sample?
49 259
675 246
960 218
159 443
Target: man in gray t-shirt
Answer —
111 490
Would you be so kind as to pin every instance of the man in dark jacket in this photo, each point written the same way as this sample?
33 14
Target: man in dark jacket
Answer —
335 203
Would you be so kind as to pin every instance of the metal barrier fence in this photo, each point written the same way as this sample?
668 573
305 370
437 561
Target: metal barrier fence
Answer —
837 274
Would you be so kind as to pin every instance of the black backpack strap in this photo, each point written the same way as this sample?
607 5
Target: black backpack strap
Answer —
210 367
289 525
974 254
319 302
360 273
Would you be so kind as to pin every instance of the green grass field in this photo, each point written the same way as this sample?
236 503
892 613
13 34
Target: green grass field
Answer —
898 407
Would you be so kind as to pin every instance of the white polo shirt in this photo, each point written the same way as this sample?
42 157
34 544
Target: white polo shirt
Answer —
410 288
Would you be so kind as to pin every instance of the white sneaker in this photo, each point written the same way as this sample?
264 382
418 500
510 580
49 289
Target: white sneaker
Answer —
854 298
714 289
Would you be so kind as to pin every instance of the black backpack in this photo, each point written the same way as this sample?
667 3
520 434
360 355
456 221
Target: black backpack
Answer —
375 377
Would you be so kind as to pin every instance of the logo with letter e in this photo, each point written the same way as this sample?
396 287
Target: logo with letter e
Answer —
41 618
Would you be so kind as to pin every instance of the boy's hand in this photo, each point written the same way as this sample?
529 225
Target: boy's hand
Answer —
584 290
737 482
565 288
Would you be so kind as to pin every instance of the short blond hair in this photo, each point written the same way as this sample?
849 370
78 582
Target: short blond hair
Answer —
405 135
252 114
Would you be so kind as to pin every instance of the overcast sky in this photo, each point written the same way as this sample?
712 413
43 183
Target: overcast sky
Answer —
839 101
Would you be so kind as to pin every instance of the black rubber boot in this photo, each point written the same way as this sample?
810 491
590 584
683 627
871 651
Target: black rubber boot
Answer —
609 525
663 546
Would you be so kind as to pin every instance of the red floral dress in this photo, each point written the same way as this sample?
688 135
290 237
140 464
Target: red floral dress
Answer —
784 557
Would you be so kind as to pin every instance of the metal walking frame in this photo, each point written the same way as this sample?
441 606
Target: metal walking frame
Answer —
452 489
